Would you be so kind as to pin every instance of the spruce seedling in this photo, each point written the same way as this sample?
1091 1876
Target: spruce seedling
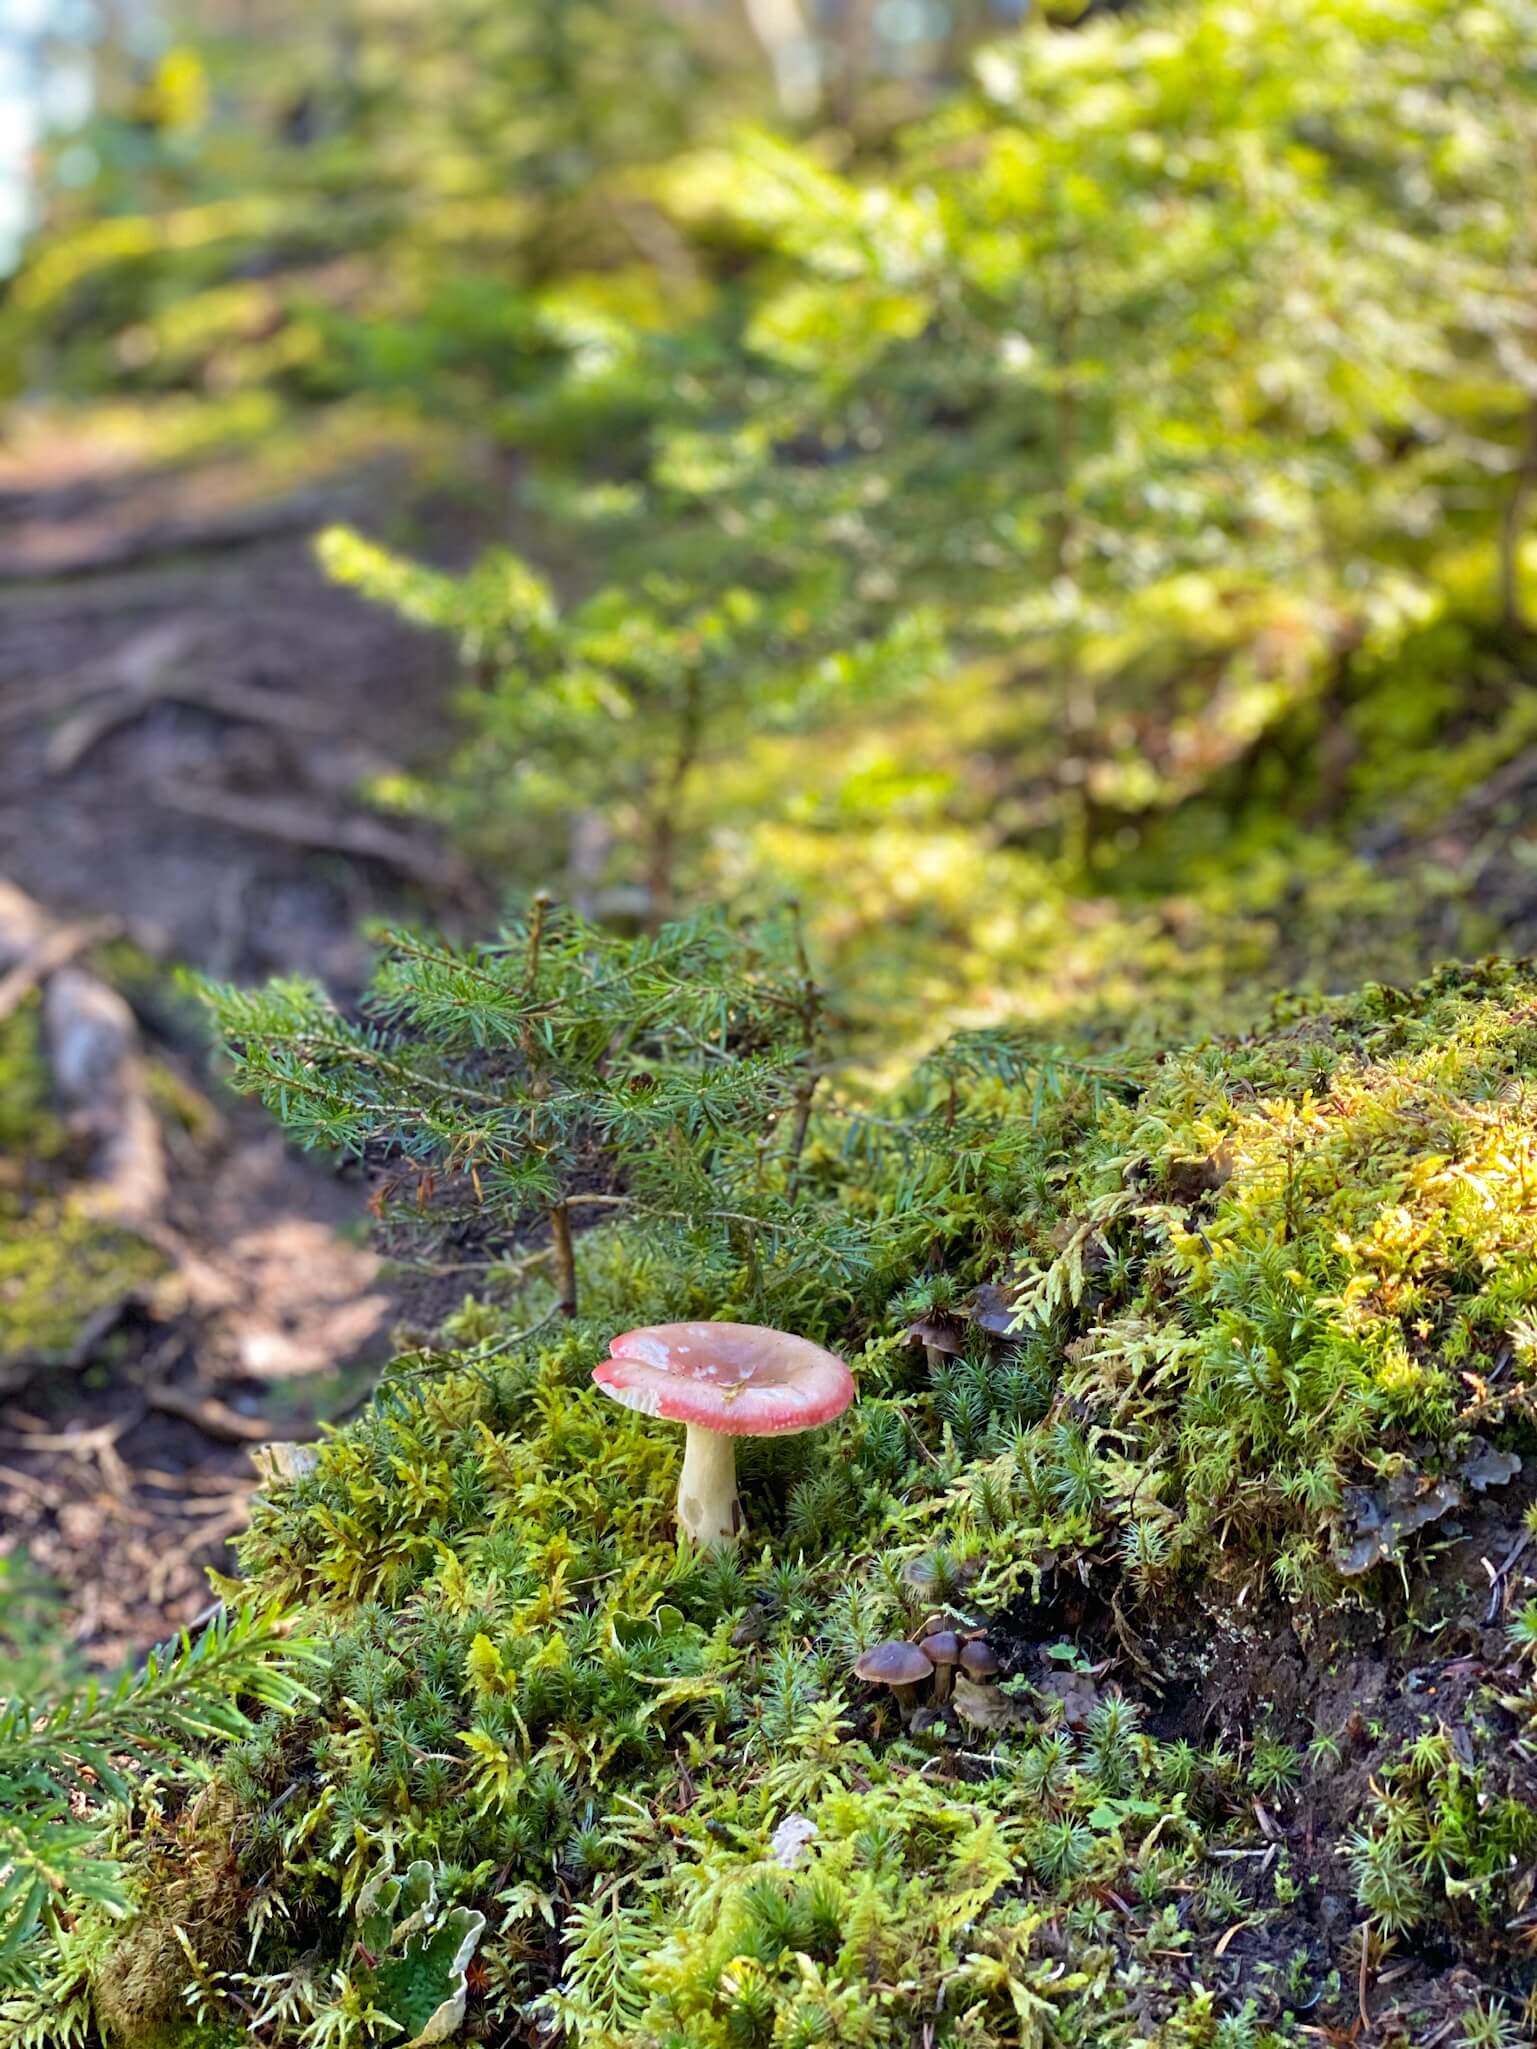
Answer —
556 1058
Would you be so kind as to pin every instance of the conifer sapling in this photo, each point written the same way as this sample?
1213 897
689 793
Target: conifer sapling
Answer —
558 1068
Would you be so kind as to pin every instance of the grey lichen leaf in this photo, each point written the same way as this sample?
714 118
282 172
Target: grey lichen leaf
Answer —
788 1843
1485 1467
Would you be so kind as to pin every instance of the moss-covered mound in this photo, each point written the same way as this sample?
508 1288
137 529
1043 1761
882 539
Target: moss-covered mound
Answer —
1204 1402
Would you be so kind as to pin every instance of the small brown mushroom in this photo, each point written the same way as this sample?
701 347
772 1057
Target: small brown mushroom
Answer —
901 1666
939 1338
977 1661
943 1651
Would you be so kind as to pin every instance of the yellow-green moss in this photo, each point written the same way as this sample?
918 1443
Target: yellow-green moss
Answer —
58 1270
28 1129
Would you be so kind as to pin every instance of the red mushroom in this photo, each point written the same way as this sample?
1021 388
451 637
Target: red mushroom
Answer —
723 1380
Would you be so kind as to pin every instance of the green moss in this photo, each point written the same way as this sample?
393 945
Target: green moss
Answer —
1358 1245
1258 1275
1443 1838
59 1266
27 1126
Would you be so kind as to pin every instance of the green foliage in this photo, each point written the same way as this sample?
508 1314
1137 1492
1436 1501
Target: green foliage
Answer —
67 1762
1488 2024
1056 542
557 1055
1103 477
346 211
615 719
1442 1841
1067 527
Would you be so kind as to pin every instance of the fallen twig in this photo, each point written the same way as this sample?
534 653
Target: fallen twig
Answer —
1499 1577
92 1047
56 949
213 1417
99 1442
1134 1650
28 1484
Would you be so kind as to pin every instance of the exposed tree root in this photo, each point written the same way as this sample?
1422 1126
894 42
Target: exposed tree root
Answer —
19 1370
298 825
214 1418
204 535
135 665
151 669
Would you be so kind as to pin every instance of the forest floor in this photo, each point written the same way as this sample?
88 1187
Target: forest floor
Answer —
188 711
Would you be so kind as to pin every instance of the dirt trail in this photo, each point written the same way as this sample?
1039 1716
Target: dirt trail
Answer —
187 712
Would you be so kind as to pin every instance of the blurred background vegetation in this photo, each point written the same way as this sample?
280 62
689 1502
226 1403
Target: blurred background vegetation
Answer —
1046 487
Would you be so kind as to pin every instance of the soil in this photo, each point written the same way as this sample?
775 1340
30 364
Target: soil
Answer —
184 701
1429 1653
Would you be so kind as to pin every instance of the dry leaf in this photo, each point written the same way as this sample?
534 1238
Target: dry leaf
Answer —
982 1706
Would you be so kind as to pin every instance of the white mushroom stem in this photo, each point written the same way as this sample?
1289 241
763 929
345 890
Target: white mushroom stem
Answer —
708 1510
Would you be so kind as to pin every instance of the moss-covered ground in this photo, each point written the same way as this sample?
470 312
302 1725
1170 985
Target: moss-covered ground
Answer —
1238 1505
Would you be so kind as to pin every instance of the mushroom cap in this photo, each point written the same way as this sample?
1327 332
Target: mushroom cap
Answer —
737 1378
894 1663
978 1660
942 1648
